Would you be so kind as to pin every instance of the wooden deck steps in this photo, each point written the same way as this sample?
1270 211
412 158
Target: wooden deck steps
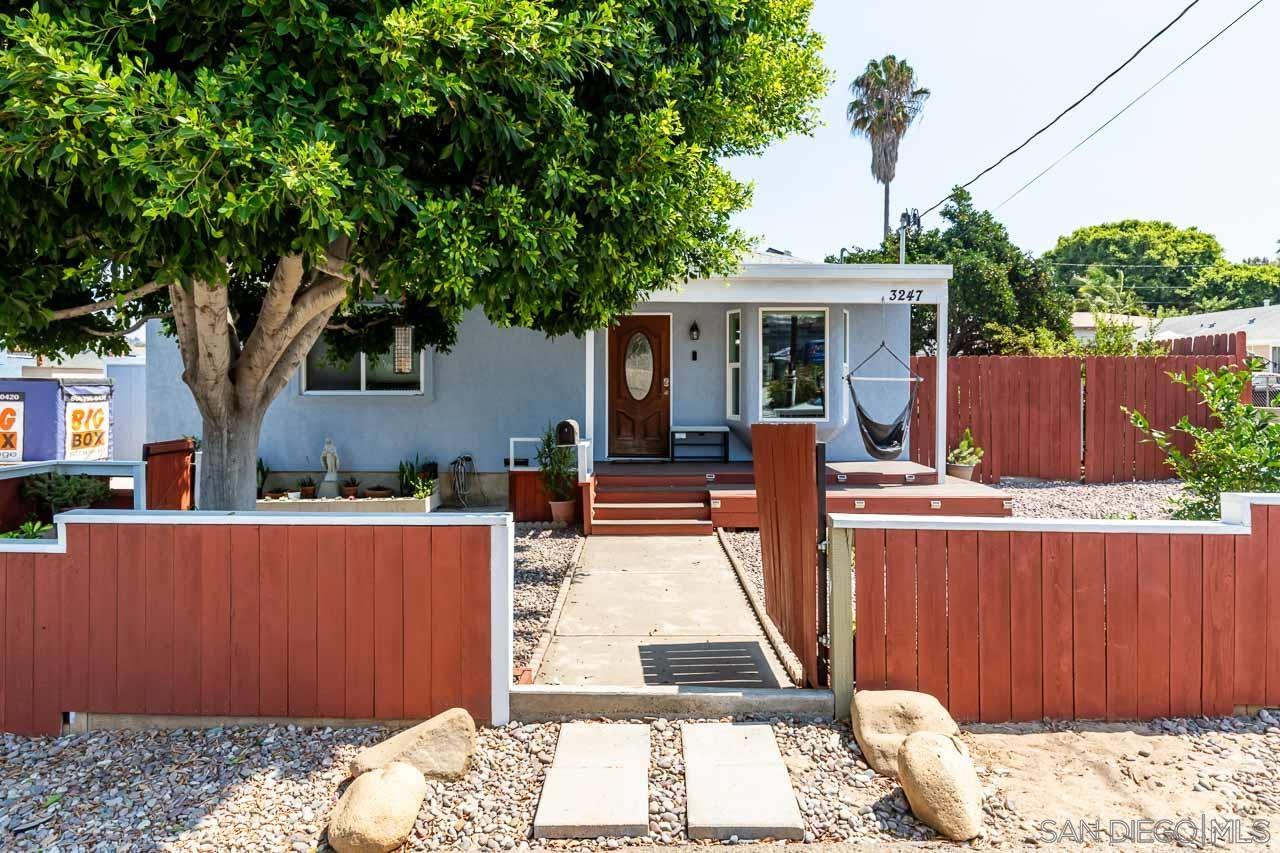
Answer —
631 505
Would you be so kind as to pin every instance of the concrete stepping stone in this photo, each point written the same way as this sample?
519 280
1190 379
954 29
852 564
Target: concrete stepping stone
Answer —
597 784
736 783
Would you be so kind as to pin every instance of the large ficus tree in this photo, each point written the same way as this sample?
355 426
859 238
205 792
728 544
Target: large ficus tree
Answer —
260 172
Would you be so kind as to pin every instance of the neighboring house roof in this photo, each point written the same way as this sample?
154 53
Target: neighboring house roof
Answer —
1261 325
1088 321
773 256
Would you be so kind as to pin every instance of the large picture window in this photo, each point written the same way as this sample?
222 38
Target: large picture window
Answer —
364 374
793 364
733 366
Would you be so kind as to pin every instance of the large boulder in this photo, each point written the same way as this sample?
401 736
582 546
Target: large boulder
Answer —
378 810
441 748
882 720
941 784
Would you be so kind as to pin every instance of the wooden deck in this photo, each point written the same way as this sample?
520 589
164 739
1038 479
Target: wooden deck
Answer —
694 498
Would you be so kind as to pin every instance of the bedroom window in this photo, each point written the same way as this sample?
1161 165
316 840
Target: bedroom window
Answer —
733 366
793 364
364 374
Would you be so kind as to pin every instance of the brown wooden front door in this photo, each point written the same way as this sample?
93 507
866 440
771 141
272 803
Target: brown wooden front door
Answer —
640 386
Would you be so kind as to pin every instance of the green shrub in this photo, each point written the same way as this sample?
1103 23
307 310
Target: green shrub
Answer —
56 492
557 466
33 529
1239 452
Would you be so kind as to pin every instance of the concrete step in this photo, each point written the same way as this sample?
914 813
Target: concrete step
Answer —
737 785
534 703
653 527
632 511
597 784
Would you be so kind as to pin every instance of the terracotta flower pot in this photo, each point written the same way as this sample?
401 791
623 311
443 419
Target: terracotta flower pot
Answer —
276 494
562 511
376 492
960 472
308 491
351 491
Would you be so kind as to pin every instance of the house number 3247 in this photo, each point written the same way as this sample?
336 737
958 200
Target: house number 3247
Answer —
898 295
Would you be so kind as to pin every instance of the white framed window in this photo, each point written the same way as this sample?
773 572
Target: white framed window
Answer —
385 375
733 365
793 364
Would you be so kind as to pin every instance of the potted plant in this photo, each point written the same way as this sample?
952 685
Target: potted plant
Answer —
307 488
276 494
377 492
556 467
293 495
964 457
350 488
263 473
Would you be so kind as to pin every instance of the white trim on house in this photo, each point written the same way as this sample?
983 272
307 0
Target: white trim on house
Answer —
422 390
284 519
730 365
820 283
1237 520
501 621
671 391
826 364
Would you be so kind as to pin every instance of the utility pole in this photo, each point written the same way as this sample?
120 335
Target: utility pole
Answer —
910 219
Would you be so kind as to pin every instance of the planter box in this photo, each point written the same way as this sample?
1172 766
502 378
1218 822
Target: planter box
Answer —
350 505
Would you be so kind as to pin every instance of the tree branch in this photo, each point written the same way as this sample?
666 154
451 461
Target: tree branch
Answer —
115 333
106 304
291 356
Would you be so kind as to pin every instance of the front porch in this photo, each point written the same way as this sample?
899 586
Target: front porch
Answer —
695 498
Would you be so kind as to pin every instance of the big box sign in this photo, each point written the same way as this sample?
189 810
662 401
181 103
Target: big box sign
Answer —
87 427
12 422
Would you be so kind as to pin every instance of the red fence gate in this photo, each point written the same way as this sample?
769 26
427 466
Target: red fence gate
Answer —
1019 619
171 474
787 499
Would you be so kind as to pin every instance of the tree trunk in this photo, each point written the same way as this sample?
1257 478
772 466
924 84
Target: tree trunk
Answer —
229 462
234 382
887 229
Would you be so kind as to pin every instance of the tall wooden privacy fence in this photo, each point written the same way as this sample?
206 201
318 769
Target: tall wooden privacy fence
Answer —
1005 619
787 499
211 614
1063 418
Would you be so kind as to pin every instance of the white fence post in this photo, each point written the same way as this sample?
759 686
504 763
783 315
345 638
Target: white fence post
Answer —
840 620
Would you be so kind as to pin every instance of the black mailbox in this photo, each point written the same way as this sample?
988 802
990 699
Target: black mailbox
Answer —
567 433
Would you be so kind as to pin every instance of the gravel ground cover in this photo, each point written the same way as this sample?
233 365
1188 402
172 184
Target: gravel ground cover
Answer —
271 788
542 559
1054 499
746 545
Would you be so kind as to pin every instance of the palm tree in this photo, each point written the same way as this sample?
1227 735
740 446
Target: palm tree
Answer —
886 100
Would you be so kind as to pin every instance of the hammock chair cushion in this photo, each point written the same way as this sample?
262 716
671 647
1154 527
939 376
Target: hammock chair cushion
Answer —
884 441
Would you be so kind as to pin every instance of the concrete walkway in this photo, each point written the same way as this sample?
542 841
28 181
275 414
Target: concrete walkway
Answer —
598 783
658 610
737 785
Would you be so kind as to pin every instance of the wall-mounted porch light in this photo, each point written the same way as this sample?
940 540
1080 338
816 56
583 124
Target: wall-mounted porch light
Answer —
694 331
402 350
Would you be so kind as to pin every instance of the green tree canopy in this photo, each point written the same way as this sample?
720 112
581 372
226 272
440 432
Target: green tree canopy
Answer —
1168 268
994 283
262 171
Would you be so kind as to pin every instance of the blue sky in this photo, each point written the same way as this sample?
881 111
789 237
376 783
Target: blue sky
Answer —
1203 149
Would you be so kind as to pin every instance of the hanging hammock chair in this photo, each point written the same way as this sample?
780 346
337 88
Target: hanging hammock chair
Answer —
884 441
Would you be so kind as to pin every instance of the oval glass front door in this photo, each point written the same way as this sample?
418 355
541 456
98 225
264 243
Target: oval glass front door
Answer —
638 366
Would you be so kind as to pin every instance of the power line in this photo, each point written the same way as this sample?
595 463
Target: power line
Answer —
1126 107
1077 103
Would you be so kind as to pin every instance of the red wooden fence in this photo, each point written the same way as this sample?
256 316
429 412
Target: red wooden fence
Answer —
171 474
384 620
1114 450
1055 418
1023 620
1024 412
787 499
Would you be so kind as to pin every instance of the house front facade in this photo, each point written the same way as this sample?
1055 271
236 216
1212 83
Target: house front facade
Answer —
769 344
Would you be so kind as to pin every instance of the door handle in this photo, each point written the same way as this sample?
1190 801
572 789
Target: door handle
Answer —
666 385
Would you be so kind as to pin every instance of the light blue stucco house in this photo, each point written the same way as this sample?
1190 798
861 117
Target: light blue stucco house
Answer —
771 343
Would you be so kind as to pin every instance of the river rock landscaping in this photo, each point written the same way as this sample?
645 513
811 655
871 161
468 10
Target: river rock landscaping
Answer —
273 788
542 558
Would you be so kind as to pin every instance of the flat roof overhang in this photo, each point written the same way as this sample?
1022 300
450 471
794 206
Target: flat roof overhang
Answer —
907 284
